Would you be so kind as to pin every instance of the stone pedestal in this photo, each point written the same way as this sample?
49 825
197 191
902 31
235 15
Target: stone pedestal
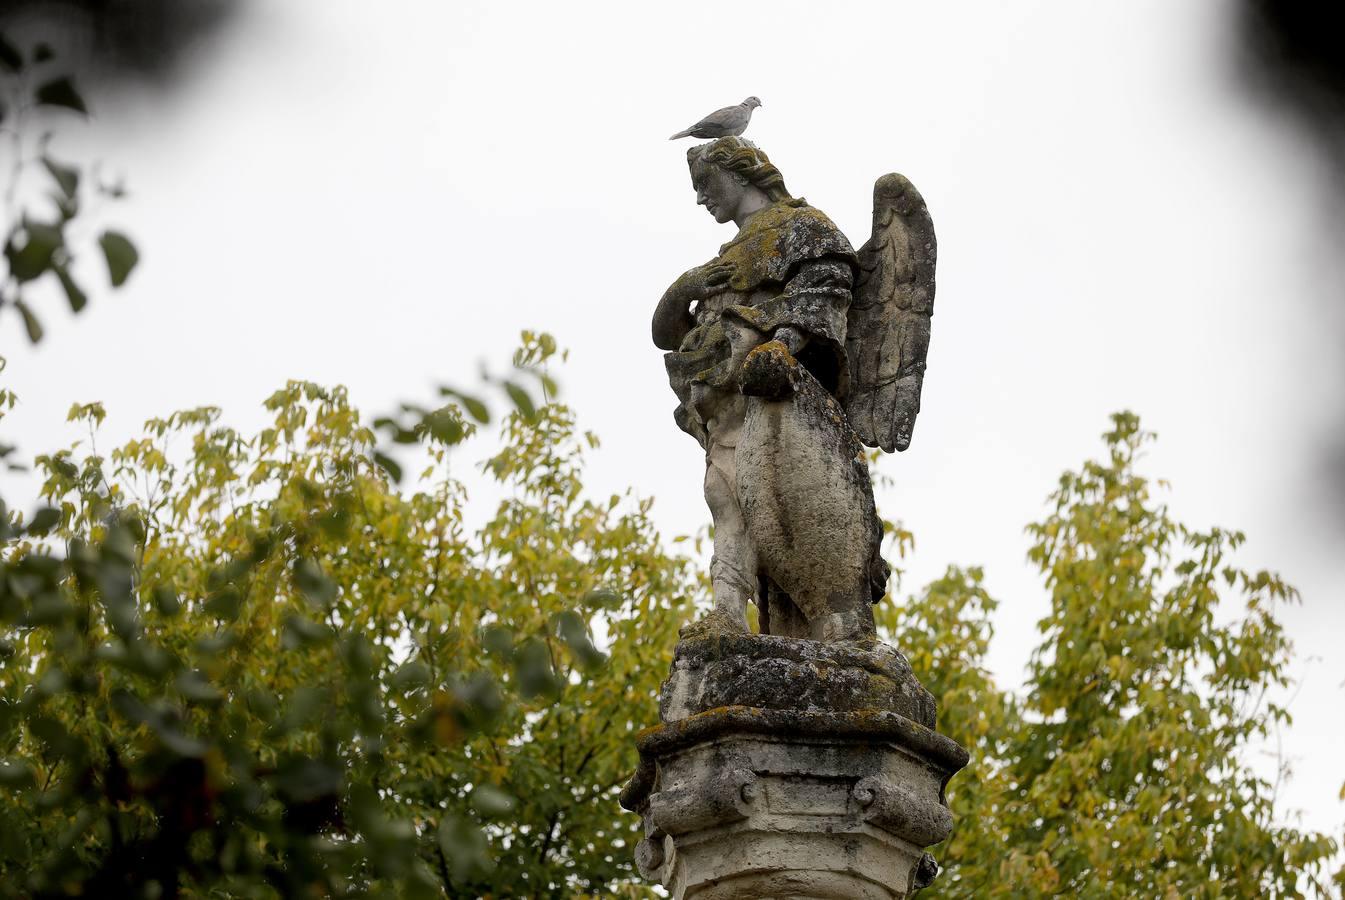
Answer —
790 768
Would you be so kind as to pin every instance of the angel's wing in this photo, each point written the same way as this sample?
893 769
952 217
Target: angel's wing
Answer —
887 332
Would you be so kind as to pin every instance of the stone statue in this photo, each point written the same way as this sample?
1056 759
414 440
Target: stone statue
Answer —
802 761
787 352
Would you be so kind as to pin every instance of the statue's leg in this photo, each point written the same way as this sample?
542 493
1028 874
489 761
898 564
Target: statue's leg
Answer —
806 495
733 567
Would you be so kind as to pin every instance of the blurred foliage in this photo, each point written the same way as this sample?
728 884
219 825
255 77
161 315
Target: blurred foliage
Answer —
248 666
49 203
256 666
1123 770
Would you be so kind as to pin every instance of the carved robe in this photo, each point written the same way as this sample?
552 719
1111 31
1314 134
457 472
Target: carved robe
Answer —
792 266
786 482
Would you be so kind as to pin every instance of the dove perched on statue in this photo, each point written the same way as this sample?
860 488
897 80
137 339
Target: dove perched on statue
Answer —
729 121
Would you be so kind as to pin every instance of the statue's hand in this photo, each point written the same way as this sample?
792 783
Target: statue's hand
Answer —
704 281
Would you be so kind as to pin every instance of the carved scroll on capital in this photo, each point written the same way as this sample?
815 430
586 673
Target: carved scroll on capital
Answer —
722 797
649 856
922 821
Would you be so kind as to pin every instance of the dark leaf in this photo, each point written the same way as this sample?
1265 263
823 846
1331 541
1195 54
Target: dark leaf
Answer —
34 257
166 600
313 583
172 738
302 780
72 291
49 609
196 687
216 643
490 801
43 53
30 322
66 177
497 639
466 851
475 408
121 256
411 675
359 654
16 774
444 425
300 632
603 598
225 604
389 465
61 92
572 629
44 520
533 668
11 60
521 400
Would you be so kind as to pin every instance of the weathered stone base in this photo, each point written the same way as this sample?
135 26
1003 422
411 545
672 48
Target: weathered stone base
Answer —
785 798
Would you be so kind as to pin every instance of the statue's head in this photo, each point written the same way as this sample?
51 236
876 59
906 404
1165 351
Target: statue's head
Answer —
730 174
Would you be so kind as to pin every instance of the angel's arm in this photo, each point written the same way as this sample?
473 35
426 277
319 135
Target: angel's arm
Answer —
672 320
672 316
817 283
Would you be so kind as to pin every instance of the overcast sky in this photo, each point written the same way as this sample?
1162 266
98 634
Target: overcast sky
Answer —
383 195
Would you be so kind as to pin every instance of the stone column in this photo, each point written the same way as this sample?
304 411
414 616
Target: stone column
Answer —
791 768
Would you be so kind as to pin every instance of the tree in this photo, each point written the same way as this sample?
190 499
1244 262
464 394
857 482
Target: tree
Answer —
257 668
1123 770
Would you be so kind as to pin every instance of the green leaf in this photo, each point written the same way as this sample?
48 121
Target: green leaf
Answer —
410 675
34 257
196 687
492 802
444 425
302 632
466 851
522 401
475 408
497 639
302 780
536 677
571 628
225 604
72 291
313 583
44 520
61 92
66 177
16 774
30 322
389 465
121 256
166 600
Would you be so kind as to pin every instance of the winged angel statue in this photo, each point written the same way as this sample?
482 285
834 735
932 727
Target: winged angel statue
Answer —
787 352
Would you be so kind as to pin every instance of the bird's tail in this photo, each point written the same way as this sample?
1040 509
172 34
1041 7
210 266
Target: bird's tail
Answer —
681 134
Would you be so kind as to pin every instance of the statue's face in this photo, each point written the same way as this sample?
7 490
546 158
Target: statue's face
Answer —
720 192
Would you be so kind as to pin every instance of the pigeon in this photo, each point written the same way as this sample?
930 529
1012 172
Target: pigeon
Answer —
731 120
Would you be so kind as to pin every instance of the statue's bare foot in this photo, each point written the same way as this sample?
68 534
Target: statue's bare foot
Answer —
716 621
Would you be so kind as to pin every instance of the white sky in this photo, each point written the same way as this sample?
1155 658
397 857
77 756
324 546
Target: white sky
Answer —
384 195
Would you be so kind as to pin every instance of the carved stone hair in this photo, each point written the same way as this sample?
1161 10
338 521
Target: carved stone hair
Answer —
744 159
